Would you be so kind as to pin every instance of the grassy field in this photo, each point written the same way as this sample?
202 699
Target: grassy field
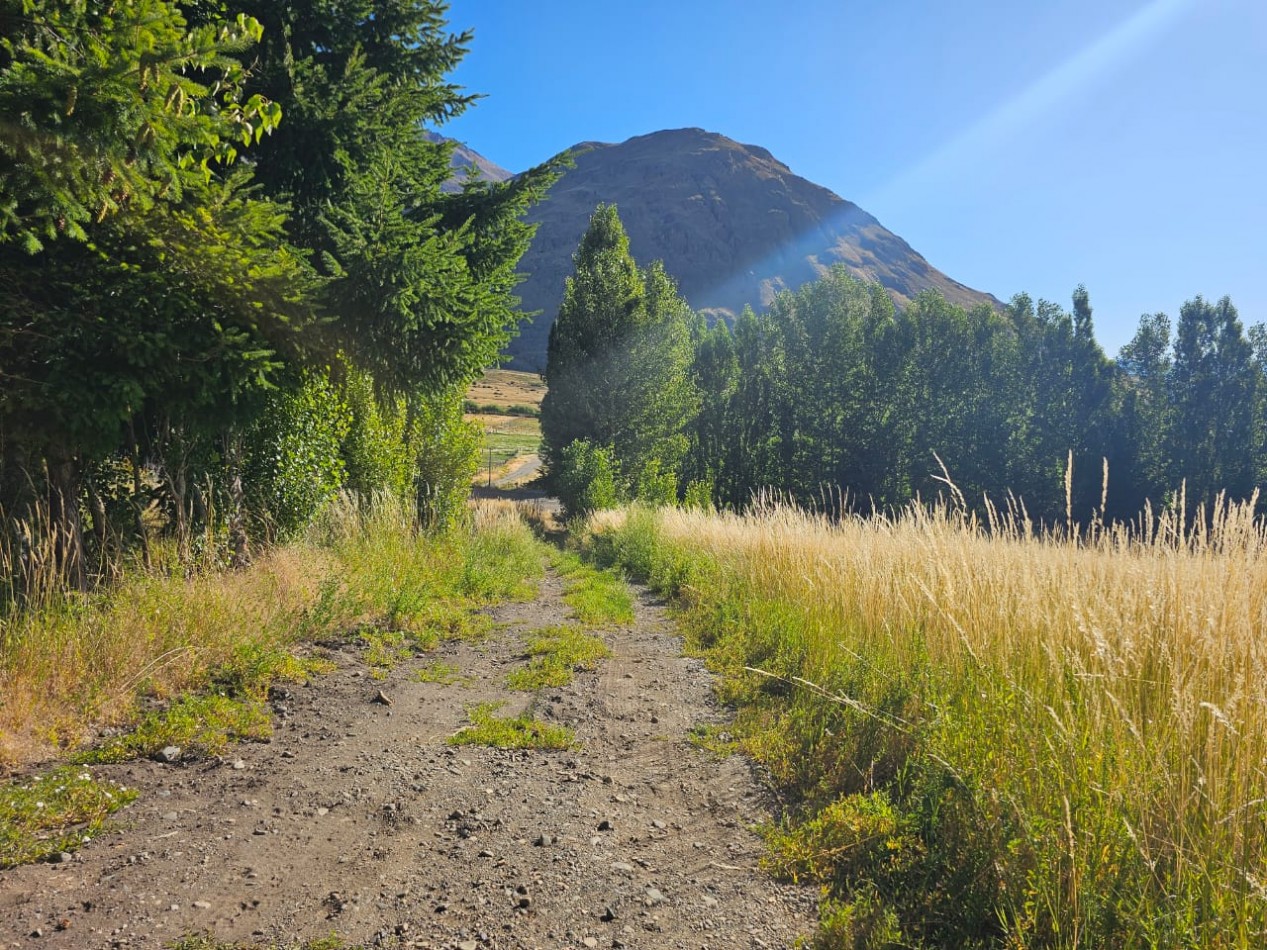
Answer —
990 737
507 404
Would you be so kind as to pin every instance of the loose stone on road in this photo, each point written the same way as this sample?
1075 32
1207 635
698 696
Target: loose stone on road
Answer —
359 819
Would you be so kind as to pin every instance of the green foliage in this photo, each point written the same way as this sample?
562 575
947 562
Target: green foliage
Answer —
448 458
555 654
441 673
496 409
294 464
380 449
420 290
699 495
618 363
58 811
843 403
114 107
861 923
197 723
585 479
597 597
159 310
656 487
519 732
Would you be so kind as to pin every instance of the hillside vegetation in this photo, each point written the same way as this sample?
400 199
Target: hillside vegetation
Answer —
991 735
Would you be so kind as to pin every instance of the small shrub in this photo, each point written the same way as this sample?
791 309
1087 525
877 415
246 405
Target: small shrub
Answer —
656 486
587 479
698 495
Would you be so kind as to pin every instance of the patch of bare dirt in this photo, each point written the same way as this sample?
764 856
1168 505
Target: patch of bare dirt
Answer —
358 819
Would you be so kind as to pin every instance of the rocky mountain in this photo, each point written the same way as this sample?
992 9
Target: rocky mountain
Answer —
463 160
731 222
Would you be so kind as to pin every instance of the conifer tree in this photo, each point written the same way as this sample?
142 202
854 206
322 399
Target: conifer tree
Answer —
619 358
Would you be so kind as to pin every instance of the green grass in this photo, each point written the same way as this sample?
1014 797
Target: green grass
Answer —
202 723
518 732
443 674
508 445
498 409
557 652
56 812
205 723
598 598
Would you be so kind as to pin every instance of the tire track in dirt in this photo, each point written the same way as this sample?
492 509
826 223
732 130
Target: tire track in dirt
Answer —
358 819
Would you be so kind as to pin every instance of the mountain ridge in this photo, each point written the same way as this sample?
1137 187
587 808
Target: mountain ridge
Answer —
732 224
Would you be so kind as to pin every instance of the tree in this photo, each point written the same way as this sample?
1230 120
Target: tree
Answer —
113 106
155 303
619 358
420 282
1146 413
1212 389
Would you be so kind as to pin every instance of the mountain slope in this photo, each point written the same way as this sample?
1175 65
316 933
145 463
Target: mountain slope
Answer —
732 224
463 160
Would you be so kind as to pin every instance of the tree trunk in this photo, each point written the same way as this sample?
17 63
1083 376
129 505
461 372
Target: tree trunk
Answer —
239 540
138 488
65 521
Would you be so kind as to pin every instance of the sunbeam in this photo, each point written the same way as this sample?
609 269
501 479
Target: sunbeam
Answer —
1032 103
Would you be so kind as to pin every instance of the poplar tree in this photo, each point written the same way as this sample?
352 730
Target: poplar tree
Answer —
619 358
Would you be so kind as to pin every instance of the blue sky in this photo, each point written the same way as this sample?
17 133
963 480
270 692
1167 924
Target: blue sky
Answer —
1019 145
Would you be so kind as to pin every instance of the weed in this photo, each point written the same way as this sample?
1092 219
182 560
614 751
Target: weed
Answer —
519 732
713 739
203 723
597 598
56 812
444 674
557 652
384 650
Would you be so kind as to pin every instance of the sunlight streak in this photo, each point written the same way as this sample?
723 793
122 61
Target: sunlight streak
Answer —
1031 104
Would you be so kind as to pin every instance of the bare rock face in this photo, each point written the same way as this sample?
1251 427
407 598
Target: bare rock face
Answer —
463 160
731 222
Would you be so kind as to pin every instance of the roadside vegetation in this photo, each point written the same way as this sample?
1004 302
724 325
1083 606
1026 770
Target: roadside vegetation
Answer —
511 732
990 735
555 653
162 660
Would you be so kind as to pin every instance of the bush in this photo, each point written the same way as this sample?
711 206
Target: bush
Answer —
587 480
381 448
448 458
699 495
656 487
293 464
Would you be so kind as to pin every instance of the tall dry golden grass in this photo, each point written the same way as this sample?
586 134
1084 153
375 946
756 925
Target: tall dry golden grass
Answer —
1106 692
70 663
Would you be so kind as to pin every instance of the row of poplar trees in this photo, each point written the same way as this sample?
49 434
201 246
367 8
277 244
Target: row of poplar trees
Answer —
231 283
832 390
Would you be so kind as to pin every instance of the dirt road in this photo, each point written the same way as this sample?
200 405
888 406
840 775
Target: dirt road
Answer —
357 819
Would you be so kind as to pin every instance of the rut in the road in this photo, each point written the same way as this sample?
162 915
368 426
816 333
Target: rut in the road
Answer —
358 819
